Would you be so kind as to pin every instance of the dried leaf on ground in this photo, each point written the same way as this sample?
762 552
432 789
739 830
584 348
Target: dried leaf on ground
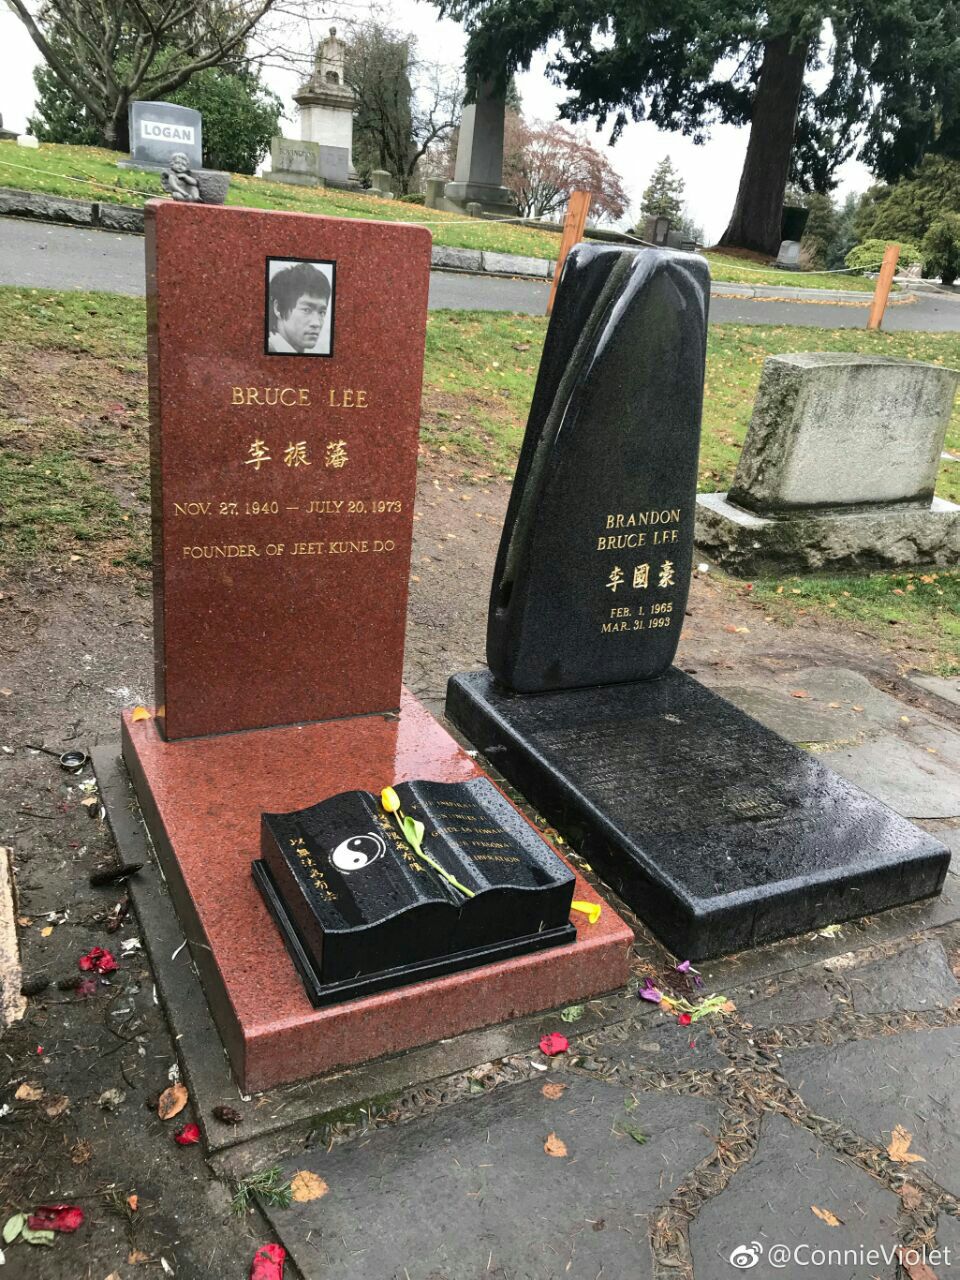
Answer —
572 1013
80 1152
29 1091
899 1148
826 1216
37 1237
57 1106
911 1195
911 1260
228 1115
554 1146
172 1101
137 1255
553 1090
636 1134
306 1186
13 1226
111 1099
799 693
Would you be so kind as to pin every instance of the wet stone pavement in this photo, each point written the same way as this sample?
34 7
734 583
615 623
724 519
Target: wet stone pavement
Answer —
772 1130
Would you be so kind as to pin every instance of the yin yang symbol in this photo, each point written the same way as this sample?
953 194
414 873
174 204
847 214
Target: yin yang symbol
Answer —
358 852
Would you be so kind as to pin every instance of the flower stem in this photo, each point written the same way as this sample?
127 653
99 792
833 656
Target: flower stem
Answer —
418 849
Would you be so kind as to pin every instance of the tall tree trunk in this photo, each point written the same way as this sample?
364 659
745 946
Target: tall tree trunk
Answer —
755 221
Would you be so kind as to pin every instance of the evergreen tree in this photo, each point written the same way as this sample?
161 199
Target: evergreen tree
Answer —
892 92
663 197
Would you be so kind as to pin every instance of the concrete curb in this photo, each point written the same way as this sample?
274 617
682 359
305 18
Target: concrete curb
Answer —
108 216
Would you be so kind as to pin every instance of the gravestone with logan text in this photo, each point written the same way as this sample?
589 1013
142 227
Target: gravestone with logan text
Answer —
161 130
284 427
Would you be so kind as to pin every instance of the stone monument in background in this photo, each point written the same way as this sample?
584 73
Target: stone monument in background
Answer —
326 105
478 175
838 469
161 130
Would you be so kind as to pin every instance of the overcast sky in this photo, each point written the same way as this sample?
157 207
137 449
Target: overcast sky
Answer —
711 172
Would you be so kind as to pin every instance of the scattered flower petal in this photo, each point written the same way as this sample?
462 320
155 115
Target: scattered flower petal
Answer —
268 1262
591 910
553 1090
56 1217
140 713
685 1019
554 1043
99 960
187 1136
826 1216
649 992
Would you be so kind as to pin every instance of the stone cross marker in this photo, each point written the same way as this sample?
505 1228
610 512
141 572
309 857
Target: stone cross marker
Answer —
284 418
594 564
161 130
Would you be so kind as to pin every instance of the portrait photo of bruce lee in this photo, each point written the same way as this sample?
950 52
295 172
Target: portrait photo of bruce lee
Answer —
301 299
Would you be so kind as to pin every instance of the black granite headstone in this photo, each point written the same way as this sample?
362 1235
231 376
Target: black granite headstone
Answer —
361 910
593 570
719 833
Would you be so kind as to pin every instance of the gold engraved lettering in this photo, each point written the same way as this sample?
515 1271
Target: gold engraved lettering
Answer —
192 508
258 455
289 396
348 398
295 455
336 456
307 549
616 579
630 520
226 552
667 578
641 576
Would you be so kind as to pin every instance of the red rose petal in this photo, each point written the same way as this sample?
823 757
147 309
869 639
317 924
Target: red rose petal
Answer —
685 1019
56 1217
187 1136
553 1044
268 1262
99 960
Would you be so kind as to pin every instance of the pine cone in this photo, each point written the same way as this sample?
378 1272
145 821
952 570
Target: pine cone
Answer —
228 1115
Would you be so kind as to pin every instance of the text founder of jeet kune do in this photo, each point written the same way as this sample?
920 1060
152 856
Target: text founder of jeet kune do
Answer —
298 300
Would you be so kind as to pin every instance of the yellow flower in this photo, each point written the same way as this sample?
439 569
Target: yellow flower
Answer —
390 800
590 909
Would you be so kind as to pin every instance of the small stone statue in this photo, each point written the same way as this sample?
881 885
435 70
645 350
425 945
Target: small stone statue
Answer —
179 181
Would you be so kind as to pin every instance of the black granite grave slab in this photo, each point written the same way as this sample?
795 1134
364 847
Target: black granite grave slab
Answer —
720 834
593 569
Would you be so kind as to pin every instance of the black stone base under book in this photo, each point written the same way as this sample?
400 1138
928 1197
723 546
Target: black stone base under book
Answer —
718 833
327 993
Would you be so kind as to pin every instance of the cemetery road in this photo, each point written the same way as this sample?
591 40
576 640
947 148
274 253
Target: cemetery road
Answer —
50 256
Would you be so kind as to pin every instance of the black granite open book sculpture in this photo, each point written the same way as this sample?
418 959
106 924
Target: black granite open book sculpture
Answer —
362 907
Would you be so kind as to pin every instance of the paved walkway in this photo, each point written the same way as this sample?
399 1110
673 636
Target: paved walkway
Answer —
58 257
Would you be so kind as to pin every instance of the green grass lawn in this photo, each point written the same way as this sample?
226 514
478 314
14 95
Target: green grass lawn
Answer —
73 437
92 172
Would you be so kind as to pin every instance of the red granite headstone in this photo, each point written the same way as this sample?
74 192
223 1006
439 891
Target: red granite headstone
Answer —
285 357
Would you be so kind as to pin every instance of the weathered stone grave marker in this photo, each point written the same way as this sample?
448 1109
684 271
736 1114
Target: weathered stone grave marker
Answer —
838 469
161 130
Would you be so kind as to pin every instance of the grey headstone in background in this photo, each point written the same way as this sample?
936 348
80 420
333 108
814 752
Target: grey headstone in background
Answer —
159 130
834 430
789 255
334 164
290 155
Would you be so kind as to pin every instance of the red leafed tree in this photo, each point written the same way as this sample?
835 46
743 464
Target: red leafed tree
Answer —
544 163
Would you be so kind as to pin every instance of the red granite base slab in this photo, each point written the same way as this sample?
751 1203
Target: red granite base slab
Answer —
202 800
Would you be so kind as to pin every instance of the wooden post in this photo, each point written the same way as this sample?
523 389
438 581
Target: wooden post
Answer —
884 281
573 224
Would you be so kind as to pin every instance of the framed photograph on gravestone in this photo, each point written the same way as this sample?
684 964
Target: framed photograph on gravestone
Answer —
300 307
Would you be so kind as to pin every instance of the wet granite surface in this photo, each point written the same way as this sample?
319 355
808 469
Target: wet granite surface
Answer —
593 570
719 834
